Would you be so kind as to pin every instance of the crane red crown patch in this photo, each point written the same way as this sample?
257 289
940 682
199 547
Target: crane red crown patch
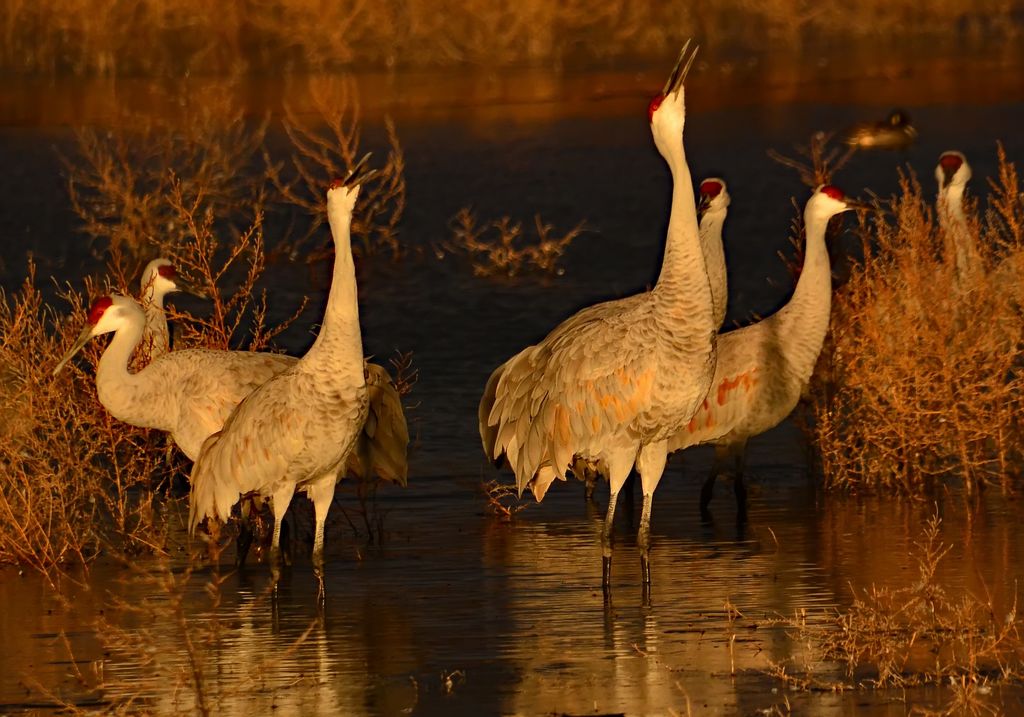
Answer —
711 188
834 192
335 183
98 307
951 161
167 271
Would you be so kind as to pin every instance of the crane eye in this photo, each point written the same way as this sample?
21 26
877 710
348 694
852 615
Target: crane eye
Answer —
653 107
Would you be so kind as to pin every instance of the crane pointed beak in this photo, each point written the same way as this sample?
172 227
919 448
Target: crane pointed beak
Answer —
671 81
187 287
947 177
858 205
360 174
680 71
703 205
82 340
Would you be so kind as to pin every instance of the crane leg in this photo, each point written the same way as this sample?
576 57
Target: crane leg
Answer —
321 492
741 490
651 466
707 490
281 500
589 484
606 543
619 465
245 535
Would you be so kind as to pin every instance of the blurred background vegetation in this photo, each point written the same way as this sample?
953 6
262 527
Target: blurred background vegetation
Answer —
173 37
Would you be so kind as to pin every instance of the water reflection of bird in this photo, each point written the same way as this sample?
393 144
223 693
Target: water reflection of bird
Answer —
612 382
763 368
296 430
895 132
712 210
952 174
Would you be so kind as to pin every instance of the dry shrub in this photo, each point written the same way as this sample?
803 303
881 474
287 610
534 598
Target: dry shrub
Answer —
74 479
327 147
502 500
121 182
500 249
916 635
920 378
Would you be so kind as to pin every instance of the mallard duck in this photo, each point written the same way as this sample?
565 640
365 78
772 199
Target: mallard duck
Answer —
895 132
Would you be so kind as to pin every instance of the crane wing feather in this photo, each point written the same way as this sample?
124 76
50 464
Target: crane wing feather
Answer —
592 376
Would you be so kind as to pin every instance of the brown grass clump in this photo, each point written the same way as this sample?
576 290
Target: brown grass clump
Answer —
500 248
74 479
917 635
503 500
920 380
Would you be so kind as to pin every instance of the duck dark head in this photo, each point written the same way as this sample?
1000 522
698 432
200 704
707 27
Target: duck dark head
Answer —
899 118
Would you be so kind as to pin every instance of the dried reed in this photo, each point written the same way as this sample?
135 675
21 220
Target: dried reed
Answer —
916 635
500 248
920 379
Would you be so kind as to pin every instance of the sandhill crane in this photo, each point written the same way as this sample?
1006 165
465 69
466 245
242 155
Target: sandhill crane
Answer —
381 449
296 430
952 174
159 279
191 393
711 213
611 383
712 209
895 132
187 393
763 368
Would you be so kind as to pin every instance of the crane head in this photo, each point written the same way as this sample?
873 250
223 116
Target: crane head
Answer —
106 314
342 193
829 200
713 196
952 169
160 277
674 85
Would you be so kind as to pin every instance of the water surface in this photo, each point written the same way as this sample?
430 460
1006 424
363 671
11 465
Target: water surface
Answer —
461 613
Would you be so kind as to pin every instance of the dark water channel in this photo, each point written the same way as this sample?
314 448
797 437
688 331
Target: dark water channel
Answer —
458 613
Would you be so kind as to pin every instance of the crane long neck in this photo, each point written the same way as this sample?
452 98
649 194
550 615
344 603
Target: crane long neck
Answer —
951 208
804 320
156 331
125 395
714 259
684 278
340 342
